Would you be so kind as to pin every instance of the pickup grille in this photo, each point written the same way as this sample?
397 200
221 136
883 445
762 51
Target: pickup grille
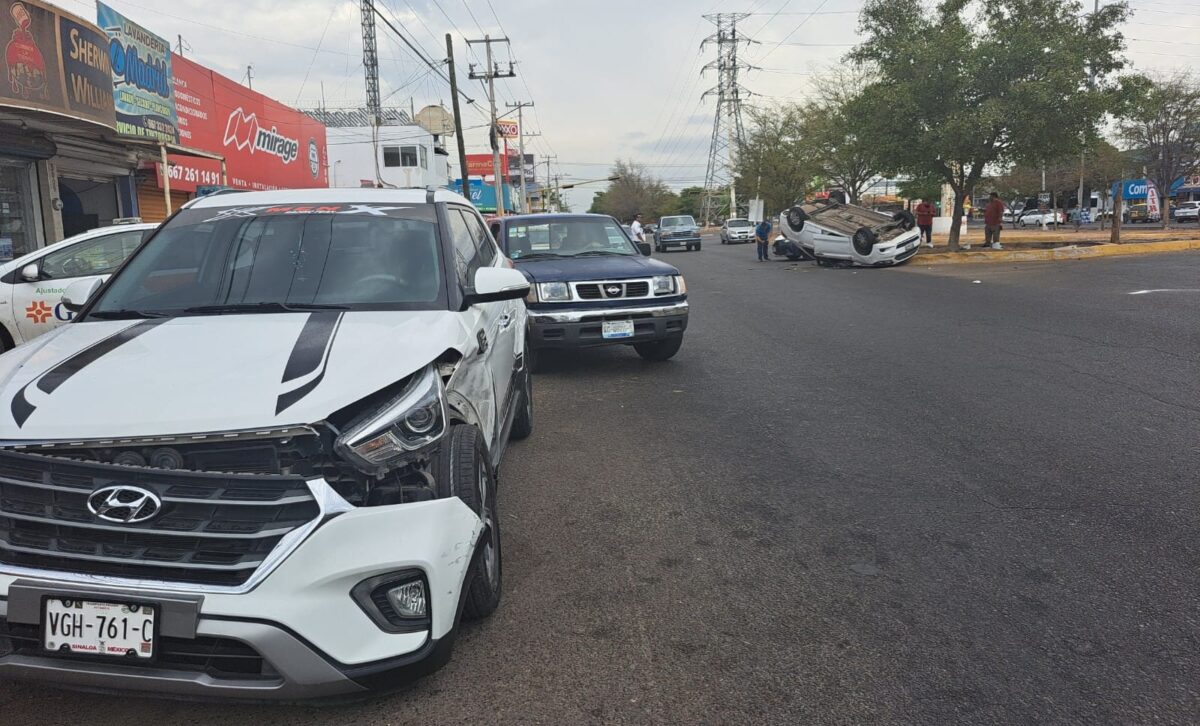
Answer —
614 290
212 529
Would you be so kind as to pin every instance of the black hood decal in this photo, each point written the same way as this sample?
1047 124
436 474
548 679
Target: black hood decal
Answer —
49 381
309 354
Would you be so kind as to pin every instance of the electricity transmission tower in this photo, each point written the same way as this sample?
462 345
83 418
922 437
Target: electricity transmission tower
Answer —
370 60
727 132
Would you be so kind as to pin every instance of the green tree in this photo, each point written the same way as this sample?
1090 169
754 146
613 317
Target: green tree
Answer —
691 200
969 84
636 191
927 187
1162 123
770 164
830 145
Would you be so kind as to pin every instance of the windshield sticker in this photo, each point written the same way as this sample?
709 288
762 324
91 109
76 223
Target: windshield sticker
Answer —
285 209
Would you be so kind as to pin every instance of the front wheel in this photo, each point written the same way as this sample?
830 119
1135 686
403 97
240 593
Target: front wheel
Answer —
659 350
470 478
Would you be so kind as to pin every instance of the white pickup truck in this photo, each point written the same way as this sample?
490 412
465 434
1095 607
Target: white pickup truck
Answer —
830 232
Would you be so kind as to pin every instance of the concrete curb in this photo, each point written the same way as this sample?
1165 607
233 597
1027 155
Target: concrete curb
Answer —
1070 252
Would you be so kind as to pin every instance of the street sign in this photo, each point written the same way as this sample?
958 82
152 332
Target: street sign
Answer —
508 129
1044 201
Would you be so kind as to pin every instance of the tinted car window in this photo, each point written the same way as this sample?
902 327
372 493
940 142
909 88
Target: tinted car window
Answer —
466 247
567 238
287 255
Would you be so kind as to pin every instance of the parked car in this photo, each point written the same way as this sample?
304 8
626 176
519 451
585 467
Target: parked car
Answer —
1138 213
1187 212
735 231
679 231
261 461
592 286
1034 218
31 286
831 232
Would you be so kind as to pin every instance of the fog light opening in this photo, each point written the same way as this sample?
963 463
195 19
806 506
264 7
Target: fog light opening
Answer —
409 599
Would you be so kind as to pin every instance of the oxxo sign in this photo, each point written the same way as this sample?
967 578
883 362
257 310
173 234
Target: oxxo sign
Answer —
508 129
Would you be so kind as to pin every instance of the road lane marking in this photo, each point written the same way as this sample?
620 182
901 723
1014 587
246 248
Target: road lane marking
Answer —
1148 292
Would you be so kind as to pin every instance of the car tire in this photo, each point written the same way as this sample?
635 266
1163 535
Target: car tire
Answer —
522 425
864 241
796 217
659 350
471 479
905 219
697 246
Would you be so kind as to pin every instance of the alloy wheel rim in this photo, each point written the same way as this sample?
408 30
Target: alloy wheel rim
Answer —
491 545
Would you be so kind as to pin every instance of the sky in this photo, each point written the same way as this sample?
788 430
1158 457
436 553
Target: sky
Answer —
609 78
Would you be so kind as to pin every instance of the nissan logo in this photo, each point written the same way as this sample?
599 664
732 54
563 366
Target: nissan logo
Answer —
124 504
613 290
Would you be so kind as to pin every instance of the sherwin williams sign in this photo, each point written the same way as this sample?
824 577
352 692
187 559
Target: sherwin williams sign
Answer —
54 62
143 89
266 145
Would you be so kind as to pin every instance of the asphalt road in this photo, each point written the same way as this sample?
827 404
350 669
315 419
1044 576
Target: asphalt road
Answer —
856 496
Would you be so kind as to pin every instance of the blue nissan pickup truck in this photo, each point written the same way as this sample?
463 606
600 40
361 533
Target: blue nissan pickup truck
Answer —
591 285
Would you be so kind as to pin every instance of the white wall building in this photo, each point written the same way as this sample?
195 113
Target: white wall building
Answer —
407 156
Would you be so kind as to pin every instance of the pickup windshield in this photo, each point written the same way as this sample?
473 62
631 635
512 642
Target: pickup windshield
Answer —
586 237
281 259
678 222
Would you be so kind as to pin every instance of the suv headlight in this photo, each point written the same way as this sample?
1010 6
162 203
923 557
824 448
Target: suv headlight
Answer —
554 292
409 422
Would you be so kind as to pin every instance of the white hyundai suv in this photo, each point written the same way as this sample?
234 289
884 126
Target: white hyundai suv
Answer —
261 462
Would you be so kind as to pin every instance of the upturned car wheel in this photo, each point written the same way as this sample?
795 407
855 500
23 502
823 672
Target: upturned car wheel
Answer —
905 219
796 217
659 350
470 476
864 241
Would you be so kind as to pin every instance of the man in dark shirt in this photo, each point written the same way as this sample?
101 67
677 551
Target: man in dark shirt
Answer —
762 235
925 214
993 222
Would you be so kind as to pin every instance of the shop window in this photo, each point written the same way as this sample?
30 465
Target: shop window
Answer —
391 156
400 156
424 157
18 230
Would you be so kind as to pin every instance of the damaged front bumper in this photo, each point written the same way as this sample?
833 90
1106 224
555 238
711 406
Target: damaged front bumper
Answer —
298 633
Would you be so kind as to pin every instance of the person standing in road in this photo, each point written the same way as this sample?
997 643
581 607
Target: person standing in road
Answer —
762 235
993 222
636 231
925 214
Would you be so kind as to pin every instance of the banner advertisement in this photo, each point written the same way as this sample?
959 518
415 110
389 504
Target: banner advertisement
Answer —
1152 208
55 62
266 145
508 129
141 78
481 165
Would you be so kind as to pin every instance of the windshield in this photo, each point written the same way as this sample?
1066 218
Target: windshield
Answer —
567 238
284 257
678 222
739 223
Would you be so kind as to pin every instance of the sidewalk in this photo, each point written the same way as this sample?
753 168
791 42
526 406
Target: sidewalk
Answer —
1028 245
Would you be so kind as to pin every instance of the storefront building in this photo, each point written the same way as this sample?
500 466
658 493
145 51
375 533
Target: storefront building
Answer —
63 167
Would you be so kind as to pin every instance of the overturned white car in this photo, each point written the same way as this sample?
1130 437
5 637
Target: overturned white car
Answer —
831 232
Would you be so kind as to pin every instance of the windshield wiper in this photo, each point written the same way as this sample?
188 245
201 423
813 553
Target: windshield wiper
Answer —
260 307
538 256
125 314
592 253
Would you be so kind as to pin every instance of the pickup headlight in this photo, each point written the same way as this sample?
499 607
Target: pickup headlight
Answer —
416 418
554 292
669 284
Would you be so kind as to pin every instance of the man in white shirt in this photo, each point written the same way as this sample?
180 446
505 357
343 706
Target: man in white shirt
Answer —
635 229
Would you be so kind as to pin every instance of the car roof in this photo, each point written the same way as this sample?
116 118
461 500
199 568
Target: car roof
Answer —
328 196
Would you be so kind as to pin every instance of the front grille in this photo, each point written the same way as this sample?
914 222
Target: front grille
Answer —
213 529
612 290
216 657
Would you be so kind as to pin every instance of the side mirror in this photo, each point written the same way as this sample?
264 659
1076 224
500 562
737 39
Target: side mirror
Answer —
78 294
644 248
493 284
31 272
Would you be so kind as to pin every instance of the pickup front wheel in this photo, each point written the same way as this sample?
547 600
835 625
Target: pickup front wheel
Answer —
659 350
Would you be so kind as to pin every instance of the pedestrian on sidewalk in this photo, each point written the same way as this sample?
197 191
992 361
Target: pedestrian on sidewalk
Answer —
762 236
993 222
636 231
925 214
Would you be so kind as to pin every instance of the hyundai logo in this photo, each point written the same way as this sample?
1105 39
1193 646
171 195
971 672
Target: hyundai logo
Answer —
124 504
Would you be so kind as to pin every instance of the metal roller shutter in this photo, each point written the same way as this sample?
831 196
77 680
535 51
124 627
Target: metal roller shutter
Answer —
152 207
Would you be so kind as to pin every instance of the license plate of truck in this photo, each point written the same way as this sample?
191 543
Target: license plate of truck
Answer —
124 630
618 329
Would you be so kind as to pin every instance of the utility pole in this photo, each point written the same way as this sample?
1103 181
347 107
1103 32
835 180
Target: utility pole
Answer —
521 106
490 75
458 129
250 77
546 185
728 133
